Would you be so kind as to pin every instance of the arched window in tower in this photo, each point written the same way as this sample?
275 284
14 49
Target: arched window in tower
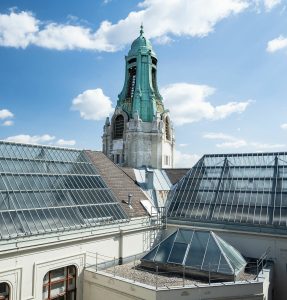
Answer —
131 82
154 60
153 77
167 129
4 291
119 127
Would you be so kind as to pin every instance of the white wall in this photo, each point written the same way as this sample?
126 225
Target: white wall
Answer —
25 268
99 286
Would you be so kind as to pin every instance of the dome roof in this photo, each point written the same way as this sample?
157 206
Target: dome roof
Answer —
140 43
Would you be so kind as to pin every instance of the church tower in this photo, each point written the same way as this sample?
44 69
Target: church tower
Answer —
140 132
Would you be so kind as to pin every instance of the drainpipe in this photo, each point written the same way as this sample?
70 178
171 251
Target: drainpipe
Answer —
121 234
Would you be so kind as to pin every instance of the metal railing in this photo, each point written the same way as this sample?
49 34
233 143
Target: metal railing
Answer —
159 278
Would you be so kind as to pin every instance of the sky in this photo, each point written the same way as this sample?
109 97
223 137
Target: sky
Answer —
222 71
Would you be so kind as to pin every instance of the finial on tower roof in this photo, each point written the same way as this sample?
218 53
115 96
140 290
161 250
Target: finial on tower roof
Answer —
141 31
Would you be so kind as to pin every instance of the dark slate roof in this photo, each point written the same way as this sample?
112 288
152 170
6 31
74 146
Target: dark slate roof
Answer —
129 172
119 182
175 175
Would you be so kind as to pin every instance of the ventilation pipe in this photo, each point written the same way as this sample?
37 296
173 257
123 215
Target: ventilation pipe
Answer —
130 199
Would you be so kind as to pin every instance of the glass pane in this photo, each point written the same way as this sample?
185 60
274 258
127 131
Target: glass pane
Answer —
164 249
212 256
58 274
233 188
197 249
177 253
55 182
58 288
184 236
235 258
151 254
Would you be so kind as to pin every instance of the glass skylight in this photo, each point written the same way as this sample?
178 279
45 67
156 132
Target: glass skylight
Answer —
198 251
234 188
45 189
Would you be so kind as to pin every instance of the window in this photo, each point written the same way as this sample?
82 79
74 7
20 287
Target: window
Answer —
154 60
131 82
167 130
60 284
119 127
166 160
4 291
153 79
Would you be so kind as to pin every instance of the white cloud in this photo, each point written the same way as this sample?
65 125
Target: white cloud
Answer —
17 29
163 40
184 160
28 139
284 126
39 139
187 103
270 4
183 145
8 123
228 140
262 146
232 142
92 105
264 5
5 113
277 44
62 142
223 111
66 37
163 18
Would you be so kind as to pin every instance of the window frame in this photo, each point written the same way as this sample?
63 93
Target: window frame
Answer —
119 127
8 292
65 280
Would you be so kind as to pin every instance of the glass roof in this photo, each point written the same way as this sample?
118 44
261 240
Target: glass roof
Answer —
200 250
45 189
234 188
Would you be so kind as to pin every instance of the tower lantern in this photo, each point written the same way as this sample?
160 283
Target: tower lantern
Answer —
140 132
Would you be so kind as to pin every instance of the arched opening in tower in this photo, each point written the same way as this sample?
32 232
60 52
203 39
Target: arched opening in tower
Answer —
119 127
167 129
131 82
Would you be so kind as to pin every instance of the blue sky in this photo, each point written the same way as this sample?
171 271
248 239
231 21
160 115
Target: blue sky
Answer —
222 70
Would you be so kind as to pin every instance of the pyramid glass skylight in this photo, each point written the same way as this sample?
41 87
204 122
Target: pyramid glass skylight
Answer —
46 189
249 189
199 252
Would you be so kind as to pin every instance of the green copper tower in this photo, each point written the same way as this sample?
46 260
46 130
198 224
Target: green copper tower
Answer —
140 92
140 132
